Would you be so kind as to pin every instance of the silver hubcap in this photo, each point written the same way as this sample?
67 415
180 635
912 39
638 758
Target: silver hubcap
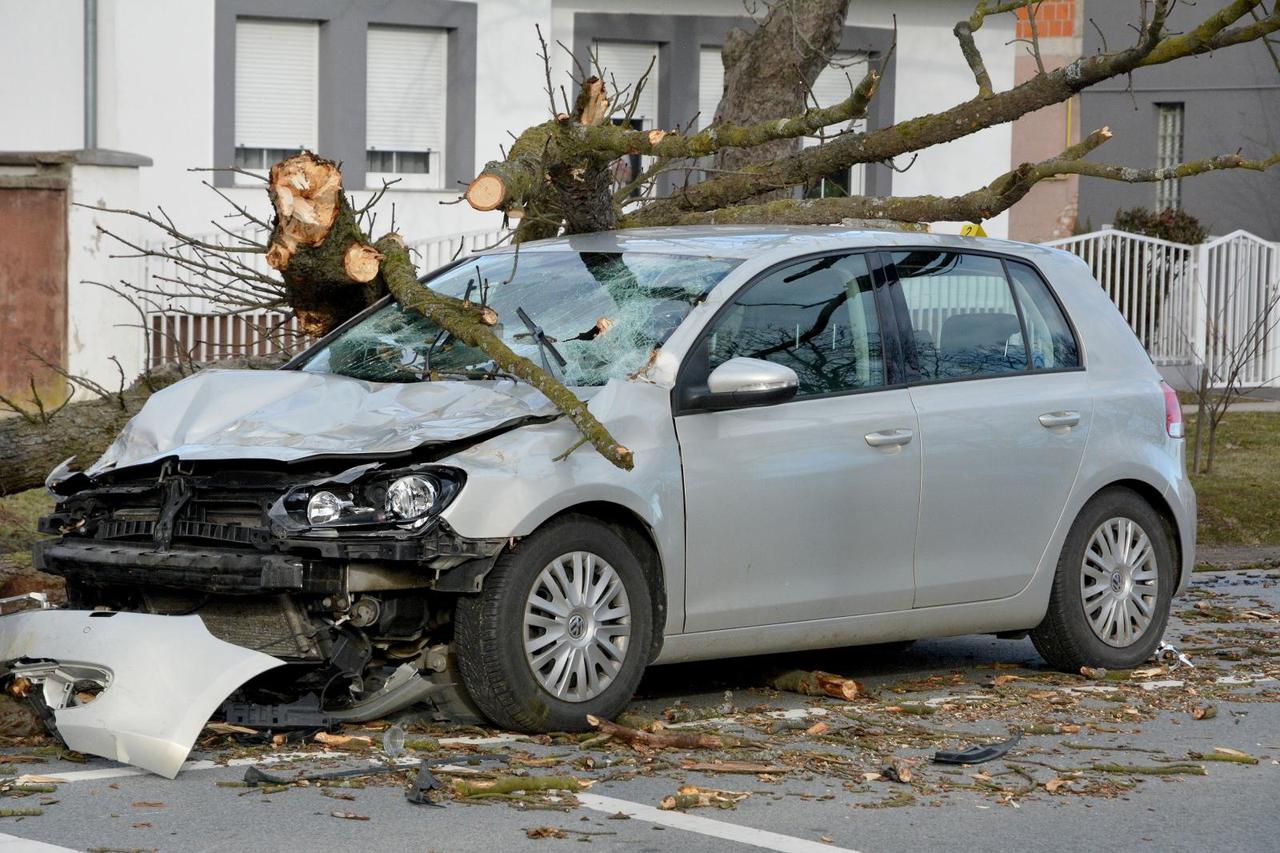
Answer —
1119 583
577 624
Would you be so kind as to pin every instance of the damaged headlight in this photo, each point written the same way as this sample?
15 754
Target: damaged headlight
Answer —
325 507
404 498
411 497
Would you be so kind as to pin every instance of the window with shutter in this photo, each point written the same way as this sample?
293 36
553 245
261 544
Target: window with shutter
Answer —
277 63
405 101
624 63
834 84
710 84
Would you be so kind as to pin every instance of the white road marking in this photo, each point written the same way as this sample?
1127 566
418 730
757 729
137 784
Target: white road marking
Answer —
120 771
706 826
14 844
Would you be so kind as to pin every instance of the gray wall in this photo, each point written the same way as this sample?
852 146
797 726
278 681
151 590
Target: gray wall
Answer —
1232 101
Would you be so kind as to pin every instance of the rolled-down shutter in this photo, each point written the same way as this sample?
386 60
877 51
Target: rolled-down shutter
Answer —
834 84
406 89
836 81
710 84
277 63
625 63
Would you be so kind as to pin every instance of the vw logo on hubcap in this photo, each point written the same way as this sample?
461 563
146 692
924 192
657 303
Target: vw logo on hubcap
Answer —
576 626
1117 582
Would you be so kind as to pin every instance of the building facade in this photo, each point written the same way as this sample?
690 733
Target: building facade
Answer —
1218 103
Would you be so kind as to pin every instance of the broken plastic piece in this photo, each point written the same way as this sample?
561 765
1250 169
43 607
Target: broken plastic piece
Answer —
158 678
393 742
40 598
1169 655
424 782
978 754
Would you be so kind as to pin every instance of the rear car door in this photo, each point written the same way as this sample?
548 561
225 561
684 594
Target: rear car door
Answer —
1004 407
805 509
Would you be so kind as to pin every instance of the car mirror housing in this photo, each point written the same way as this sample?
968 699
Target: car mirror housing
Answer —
742 382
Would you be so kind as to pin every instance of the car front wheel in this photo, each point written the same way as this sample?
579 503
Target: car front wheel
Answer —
1112 591
561 629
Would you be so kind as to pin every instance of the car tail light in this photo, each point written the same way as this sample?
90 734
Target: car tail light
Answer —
1172 411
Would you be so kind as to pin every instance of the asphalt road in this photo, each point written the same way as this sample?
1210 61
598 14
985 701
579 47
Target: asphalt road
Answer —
819 799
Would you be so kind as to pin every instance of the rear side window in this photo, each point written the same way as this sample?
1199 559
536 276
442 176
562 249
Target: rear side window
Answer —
963 317
1052 345
816 316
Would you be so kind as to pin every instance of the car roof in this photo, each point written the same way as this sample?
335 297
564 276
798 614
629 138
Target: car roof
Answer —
748 241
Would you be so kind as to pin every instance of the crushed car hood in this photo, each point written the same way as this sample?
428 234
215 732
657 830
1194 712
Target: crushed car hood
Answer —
286 415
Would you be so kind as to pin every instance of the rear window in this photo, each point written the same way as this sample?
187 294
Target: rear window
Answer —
975 316
963 316
1053 346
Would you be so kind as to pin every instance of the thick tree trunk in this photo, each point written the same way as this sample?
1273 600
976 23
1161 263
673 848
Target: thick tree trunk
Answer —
31 448
769 73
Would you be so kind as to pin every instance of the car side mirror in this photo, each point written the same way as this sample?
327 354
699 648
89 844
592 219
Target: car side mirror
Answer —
742 382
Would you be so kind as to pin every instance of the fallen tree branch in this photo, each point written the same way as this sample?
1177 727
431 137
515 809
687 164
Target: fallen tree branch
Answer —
473 328
662 739
817 683
975 206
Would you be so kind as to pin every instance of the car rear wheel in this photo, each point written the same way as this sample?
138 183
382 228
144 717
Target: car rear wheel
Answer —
561 629
1113 587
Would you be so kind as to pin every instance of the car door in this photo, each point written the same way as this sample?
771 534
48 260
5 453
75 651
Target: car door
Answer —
805 509
1004 410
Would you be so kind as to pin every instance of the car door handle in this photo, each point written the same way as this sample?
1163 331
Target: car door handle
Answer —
889 437
1057 420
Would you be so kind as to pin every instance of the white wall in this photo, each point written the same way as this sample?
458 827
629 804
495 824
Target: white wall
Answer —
41 79
100 324
932 76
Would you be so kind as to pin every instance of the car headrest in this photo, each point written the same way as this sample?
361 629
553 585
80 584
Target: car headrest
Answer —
975 331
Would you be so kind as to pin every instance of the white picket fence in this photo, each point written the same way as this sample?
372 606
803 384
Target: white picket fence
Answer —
1213 304
183 327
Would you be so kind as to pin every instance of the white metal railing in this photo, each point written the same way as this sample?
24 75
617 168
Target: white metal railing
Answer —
1213 304
182 325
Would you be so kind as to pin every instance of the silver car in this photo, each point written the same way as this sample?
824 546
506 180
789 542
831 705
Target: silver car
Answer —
840 438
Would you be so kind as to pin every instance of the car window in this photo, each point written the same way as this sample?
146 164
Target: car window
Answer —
964 320
817 316
603 312
1053 346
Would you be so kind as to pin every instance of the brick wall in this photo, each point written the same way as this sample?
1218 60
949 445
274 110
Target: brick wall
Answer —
33 289
1054 18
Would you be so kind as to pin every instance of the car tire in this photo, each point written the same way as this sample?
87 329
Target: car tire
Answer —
1082 627
503 638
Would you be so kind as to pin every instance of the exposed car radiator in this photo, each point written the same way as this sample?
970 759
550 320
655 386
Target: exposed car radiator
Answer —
273 625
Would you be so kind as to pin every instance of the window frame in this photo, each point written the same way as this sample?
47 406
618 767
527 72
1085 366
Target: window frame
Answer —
898 305
341 81
687 387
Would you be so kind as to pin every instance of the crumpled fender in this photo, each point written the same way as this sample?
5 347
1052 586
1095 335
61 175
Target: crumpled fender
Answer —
164 676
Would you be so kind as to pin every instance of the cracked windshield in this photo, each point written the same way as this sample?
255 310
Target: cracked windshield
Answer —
587 317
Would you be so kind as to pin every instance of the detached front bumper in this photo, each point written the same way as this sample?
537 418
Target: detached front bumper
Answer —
161 677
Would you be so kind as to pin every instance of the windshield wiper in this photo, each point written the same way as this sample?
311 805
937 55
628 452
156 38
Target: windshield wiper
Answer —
545 344
444 334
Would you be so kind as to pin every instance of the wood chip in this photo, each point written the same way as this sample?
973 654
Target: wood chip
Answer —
350 741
